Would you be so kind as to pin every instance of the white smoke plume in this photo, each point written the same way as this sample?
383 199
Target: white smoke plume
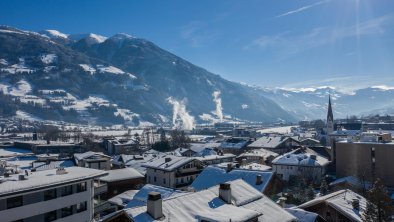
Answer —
218 102
181 119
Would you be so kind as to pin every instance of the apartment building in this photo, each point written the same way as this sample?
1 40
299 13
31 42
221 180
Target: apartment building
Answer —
51 195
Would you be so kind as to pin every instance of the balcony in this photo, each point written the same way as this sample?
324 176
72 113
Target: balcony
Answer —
100 187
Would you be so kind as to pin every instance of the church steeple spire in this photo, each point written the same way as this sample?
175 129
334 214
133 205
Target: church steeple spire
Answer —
330 116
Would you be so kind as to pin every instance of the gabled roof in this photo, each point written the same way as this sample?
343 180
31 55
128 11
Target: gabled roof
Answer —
259 152
270 142
52 165
342 202
121 174
247 203
87 155
296 157
140 197
212 176
173 163
302 215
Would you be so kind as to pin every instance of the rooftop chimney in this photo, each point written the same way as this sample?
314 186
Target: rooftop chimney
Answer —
21 177
259 179
229 167
313 157
61 171
167 159
282 201
356 204
225 192
154 205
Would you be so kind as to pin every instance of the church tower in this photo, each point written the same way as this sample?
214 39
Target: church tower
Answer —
330 120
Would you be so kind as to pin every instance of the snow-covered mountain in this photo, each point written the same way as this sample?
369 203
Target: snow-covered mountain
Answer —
311 103
120 79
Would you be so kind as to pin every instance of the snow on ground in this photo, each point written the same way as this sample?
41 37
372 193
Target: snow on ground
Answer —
26 116
125 114
3 62
146 124
283 129
11 31
54 33
81 105
21 88
48 58
17 68
88 68
49 68
97 38
109 69
32 99
383 87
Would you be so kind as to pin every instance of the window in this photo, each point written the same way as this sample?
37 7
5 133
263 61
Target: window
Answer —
50 216
81 207
164 180
154 179
66 211
81 187
14 202
148 179
49 194
67 190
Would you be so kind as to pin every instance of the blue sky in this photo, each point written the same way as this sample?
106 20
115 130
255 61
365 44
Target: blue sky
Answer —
273 43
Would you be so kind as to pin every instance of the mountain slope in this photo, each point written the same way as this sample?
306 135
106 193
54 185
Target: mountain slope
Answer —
121 79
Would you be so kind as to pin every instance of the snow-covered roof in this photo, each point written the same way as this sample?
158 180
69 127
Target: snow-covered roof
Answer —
247 203
342 202
88 155
52 165
302 215
121 174
234 143
47 178
260 153
173 163
141 196
350 180
216 157
212 176
295 158
11 152
270 142
123 198
255 166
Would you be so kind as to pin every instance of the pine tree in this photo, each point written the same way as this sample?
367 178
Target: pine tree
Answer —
323 187
310 193
379 206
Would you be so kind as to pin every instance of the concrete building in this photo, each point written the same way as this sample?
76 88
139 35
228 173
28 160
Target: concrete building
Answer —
61 195
173 171
370 157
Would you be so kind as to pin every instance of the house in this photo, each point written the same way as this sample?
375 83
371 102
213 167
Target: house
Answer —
116 147
217 159
343 205
58 194
261 156
305 216
121 180
134 161
234 145
93 160
277 144
300 163
232 201
173 171
310 142
263 181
